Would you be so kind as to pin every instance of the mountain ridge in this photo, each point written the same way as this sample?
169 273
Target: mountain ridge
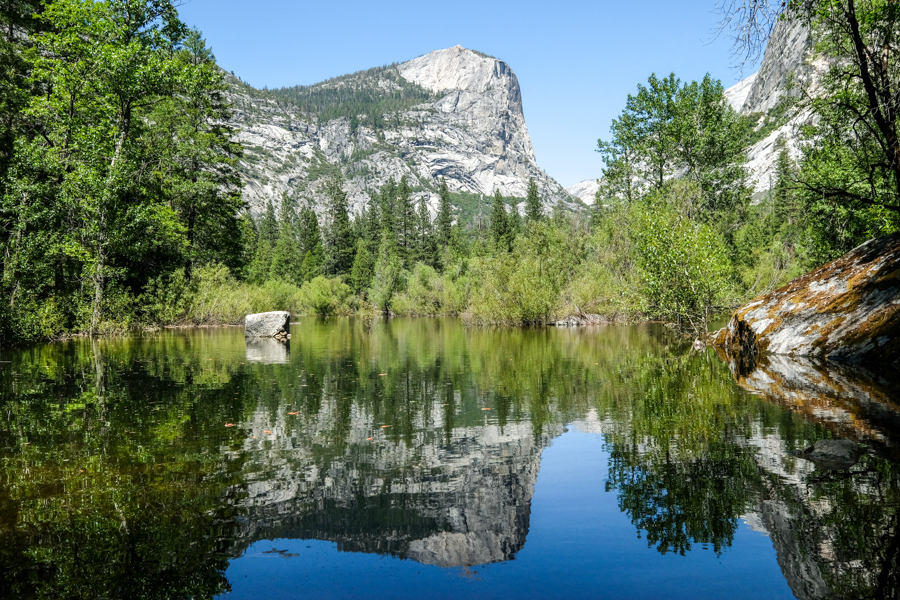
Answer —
452 113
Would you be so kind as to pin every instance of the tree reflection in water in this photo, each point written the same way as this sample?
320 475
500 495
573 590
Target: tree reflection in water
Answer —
120 478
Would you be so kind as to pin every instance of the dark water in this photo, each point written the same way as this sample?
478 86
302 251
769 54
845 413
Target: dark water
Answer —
419 458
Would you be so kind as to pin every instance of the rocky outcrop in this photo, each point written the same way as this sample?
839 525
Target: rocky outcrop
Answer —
784 62
267 325
586 191
840 454
847 310
789 66
471 132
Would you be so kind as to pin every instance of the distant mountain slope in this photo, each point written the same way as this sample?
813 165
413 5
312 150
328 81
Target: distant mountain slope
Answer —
586 191
768 94
453 113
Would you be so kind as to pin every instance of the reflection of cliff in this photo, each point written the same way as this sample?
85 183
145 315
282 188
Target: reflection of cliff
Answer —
451 499
832 530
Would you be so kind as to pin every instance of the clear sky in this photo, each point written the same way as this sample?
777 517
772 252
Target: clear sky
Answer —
576 60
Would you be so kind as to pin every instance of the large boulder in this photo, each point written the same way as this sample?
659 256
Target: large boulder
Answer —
848 311
268 325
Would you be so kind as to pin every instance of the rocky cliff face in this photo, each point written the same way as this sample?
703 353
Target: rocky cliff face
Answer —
470 130
786 59
788 66
586 191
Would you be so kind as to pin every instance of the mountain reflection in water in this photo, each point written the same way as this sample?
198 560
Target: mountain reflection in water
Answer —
145 467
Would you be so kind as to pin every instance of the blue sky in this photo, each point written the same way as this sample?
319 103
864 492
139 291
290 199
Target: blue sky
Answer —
576 61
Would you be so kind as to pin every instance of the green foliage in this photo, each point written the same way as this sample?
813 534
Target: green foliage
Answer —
405 220
430 293
526 285
444 222
363 268
327 296
674 130
388 278
340 245
373 98
534 210
501 233
287 262
426 243
683 263
850 172
311 245
132 175
773 245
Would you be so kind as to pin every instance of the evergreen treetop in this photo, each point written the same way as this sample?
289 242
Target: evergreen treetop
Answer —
533 209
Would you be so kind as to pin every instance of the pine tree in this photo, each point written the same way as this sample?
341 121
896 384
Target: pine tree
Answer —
386 202
363 267
516 226
533 209
444 221
340 246
406 223
287 262
426 248
266 238
388 273
311 245
372 227
500 232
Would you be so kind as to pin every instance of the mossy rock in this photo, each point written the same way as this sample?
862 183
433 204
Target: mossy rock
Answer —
846 311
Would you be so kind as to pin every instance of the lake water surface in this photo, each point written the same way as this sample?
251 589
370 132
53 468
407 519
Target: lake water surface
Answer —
424 459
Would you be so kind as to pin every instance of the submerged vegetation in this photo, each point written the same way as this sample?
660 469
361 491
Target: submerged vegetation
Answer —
120 202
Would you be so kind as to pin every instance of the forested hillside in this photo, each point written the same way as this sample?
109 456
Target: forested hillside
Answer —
363 97
131 201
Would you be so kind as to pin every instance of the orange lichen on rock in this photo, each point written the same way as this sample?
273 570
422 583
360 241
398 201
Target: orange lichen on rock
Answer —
847 310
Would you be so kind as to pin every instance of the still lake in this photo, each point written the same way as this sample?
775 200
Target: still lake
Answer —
411 458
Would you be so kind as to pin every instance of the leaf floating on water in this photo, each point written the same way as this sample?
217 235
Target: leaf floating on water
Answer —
382 374
293 413
485 409
383 426
368 439
229 424
267 431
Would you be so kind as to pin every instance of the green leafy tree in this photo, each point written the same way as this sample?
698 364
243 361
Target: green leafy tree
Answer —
131 174
387 200
388 278
849 174
260 269
426 246
683 263
672 130
192 133
363 268
17 25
